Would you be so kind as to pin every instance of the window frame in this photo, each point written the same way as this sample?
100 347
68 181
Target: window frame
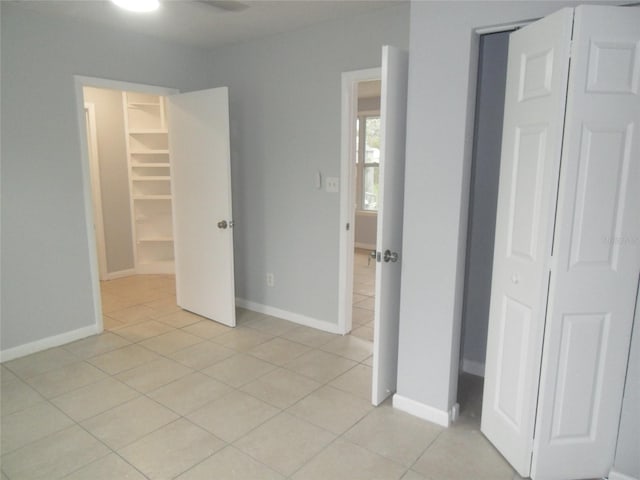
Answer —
360 165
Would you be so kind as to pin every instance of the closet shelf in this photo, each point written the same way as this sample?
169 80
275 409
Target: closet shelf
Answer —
152 197
156 239
149 152
150 178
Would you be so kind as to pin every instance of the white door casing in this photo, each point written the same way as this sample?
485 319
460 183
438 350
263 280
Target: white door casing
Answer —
596 259
201 189
535 97
393 114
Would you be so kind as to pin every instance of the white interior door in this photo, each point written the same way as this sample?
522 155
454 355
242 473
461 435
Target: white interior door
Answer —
596 251
393 114
201 188
537 73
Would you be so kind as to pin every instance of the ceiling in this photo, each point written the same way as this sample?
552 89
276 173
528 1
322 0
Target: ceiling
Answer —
198 23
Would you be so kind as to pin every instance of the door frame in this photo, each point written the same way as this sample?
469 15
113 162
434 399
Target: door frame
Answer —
79 83
349 97
96 189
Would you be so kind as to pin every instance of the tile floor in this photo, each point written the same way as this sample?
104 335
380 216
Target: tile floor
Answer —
164 394
364 285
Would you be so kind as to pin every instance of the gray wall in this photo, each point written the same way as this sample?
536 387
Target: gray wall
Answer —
46 276
114 177
627 459
492 74
285 126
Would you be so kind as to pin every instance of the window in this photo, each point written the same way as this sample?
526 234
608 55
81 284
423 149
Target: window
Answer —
367 161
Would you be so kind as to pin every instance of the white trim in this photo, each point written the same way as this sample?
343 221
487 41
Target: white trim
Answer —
120 274
615 475
96 187
49 342
472 367
349 100
366 246
426 412
79 83
290 316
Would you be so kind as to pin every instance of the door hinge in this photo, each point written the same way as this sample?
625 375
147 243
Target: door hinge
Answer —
348 226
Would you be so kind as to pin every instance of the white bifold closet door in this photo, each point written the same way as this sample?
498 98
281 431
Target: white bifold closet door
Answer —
202 218
567 254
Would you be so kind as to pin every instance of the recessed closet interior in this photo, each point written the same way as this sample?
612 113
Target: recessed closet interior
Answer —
485 170
131 181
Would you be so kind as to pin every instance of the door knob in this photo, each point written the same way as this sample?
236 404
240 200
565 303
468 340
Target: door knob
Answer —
390 256
222 224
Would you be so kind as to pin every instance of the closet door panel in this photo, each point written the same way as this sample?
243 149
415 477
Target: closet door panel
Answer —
596 261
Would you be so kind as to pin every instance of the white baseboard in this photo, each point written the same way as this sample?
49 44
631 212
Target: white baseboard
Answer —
120 274
472 367
426 412
49 342
366 246
614 475
290 316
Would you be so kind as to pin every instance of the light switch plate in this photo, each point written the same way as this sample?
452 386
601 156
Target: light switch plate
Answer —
332 184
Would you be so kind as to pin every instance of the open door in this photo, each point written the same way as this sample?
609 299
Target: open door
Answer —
393 114
535 97
201 188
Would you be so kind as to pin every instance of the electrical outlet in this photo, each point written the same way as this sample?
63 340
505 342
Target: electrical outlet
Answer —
332 184
270 280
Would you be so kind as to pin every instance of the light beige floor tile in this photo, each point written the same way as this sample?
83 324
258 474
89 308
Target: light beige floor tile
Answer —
202 355
281 388
170 342
270 325
30 424
6 375
357 298
361 316
368 361
126 423
285 443
94 399
364 289
278 351
144 330
481 460
164 306
206 329
111 323
153 375
363 332
238 370
232 415
41 362
15 395
320 366
112 303
368 303
96 345
394 434
111 467
350 347
230 464
242 339
54 456
133 314
189 393
331 409
145 295
123 359
356 381
345 461
180 319
411 475
65 379
308 336
171 450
